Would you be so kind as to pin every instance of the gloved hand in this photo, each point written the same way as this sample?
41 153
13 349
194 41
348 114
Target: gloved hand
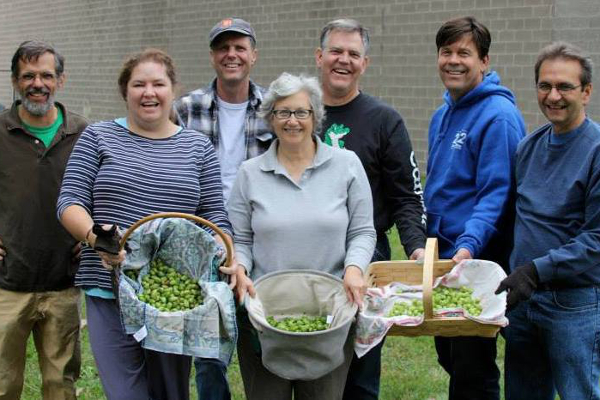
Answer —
107 240
521 284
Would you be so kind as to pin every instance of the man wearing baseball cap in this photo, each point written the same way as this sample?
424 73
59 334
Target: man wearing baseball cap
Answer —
226 111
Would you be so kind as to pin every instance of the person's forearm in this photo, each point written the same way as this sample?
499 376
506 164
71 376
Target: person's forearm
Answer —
77 222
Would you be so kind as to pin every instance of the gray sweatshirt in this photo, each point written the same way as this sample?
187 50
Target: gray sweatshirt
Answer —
324 222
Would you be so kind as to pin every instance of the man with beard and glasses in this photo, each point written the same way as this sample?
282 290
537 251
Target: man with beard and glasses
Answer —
38 257
470 188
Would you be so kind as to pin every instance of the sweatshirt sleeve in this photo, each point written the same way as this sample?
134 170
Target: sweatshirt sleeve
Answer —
581 252
494 184
404 193
240 215
80 173
360 236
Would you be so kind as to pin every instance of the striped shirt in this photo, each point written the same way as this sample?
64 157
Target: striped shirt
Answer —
120 177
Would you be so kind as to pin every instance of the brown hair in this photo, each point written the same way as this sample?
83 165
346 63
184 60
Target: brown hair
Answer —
453 31
155 55
566 51
31 50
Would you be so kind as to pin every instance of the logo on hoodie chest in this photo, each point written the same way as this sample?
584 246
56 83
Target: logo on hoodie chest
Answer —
459 140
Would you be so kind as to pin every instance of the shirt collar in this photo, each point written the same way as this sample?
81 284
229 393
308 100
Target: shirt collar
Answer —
255 96
269 160
14 121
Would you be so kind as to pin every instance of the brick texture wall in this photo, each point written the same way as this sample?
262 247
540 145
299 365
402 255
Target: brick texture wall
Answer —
96 35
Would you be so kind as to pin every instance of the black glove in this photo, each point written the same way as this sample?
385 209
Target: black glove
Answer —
521 284
107 240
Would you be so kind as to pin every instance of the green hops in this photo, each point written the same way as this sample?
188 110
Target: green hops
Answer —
168 290
443 298
299 324
131 274
412 309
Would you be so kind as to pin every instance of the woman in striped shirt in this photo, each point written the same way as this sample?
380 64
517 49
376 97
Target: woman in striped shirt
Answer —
119 172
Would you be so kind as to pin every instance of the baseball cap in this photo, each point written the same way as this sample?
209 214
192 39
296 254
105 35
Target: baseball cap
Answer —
231 25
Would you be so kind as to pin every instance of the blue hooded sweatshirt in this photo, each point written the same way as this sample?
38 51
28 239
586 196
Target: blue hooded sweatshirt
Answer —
470 171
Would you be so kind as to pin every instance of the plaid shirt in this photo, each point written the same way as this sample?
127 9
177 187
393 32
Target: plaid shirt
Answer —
198 110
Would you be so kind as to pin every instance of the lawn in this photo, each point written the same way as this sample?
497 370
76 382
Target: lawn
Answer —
409 367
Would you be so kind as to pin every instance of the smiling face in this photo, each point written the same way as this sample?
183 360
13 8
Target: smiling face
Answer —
232 57
292 131
150 95
342 61
460 67
37 84
566 111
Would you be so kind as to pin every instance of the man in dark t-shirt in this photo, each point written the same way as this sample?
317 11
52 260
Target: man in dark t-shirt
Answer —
377 134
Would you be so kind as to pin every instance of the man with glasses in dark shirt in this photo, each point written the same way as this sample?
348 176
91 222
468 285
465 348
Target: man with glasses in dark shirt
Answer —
38 257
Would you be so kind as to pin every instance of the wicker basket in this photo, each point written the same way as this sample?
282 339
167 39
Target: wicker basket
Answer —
201 221
116 272
409 272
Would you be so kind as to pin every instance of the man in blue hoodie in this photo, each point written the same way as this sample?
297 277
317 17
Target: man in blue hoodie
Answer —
469 194
552 340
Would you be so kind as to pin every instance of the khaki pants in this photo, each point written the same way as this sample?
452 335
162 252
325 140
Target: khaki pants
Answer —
53 317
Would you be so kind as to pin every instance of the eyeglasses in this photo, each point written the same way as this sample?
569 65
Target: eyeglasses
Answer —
287 114
562 88
29 77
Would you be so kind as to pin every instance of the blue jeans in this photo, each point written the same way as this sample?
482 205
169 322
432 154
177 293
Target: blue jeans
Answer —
211 379
552 344
363 377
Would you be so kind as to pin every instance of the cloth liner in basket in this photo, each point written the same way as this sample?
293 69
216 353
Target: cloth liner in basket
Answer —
208 330
480 275
293 355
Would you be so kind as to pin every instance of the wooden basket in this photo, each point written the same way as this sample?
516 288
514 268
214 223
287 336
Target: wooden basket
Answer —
201 221
382 273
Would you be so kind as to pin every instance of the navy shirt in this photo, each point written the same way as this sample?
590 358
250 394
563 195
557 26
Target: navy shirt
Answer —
558 205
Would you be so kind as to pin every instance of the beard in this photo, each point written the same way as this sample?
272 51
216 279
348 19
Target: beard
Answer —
37 109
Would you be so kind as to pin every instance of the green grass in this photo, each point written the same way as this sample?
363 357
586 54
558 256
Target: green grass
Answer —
409 367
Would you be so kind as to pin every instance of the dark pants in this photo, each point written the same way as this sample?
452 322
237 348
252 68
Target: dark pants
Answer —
471 363
262 384
364 373
211 379
126 370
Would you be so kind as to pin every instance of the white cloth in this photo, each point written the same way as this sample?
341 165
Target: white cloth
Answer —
232 140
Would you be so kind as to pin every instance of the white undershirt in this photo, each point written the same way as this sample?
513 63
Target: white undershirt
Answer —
232 141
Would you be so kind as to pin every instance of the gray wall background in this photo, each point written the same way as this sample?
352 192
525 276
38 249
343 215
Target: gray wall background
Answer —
95 36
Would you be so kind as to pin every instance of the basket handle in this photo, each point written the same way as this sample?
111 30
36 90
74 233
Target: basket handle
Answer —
431 256
202 221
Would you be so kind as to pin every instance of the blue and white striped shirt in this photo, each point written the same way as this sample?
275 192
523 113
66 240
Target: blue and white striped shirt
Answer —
120 177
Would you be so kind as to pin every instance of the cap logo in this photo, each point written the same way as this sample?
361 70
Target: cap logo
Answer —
226 23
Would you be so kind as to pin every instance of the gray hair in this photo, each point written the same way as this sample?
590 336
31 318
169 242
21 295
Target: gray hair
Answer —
31 50
570 52
345 25
287 85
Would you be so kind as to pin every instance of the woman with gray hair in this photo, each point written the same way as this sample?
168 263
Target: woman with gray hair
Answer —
300 205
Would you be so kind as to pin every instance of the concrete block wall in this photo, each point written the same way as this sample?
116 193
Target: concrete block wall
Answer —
96 35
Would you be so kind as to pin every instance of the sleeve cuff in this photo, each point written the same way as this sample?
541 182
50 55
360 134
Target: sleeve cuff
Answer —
544 268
